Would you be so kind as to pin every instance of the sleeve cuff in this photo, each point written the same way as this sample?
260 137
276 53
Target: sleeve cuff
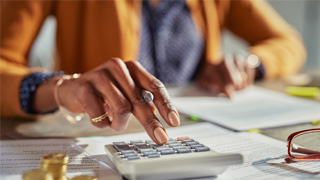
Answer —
28 87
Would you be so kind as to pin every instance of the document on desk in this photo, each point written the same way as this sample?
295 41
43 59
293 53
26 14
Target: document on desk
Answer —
19 156
263 156
251 108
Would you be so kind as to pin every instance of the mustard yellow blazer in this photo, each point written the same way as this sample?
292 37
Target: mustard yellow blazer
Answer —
90 32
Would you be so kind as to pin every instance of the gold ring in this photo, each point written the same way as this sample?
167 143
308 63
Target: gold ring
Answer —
100 118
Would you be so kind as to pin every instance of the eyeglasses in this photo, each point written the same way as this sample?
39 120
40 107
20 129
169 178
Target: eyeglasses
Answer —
304 145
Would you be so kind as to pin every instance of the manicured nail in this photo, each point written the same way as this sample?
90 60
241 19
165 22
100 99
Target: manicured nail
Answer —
174 119
229 91
160 135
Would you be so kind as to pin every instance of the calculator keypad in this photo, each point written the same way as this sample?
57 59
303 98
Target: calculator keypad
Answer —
148 149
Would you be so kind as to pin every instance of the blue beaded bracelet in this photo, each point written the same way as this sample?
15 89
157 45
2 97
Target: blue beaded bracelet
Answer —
28 87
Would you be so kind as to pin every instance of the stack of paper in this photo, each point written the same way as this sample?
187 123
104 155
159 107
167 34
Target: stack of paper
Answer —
251 108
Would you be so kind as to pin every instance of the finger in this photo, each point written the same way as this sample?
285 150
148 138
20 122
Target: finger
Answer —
161 96
120 108
251 73
240 64
224 80
152 108
218 83
232 72
140 109
93 104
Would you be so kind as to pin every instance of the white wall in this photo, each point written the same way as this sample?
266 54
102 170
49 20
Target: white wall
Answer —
42 51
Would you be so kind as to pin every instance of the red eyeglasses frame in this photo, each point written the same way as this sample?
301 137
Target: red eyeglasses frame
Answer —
292 136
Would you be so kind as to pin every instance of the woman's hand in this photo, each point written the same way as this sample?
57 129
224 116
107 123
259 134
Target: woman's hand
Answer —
115 87
233 73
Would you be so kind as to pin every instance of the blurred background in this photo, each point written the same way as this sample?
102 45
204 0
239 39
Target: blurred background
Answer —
304 15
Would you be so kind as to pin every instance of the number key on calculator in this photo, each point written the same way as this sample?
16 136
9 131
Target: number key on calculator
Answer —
182 157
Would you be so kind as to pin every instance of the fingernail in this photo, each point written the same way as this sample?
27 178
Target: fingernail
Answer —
160 135
229 91
174 119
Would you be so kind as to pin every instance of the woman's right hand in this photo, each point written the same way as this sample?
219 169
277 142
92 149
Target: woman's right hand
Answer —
115 87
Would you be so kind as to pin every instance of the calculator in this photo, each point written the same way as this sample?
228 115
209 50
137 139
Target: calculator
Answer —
180 158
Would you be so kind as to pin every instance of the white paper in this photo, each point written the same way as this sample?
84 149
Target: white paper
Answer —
263 156
251 108
19 156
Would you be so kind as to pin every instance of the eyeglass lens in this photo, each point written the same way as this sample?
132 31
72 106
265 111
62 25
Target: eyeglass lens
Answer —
306 145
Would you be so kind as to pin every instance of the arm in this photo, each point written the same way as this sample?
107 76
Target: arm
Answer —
275 42
272 40
20 24
113 87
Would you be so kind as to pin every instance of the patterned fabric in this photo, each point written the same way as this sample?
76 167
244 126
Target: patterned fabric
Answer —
28 87
171 46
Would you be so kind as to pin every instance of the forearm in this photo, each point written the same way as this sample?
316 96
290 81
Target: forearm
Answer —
273 40
43 99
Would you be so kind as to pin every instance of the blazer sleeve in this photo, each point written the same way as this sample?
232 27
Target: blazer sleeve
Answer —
20 23
272 39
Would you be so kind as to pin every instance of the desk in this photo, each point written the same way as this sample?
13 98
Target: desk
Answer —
53 126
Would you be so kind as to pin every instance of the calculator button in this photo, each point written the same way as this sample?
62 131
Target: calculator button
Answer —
172 142
147 153
146 150
153 156
180 147
149 141
162 148
202 149
133 157
184 150
119 143
122 147
166 152
130 155
176 145
127 152
183 138
191 143
196 146
156 145
141 146
187 140
136 142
